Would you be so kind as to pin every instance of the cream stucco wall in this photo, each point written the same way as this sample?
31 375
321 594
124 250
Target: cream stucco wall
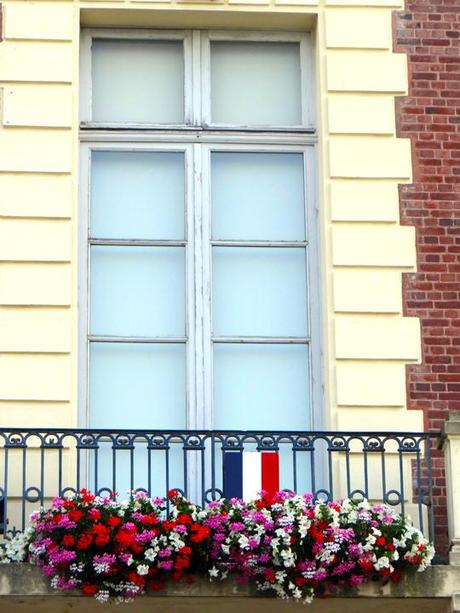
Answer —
364 250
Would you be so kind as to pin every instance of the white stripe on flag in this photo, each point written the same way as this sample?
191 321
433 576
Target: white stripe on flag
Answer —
252 474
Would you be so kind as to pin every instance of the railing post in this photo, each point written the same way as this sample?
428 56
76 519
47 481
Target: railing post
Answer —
451 448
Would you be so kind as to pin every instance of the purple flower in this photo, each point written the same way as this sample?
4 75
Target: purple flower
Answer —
64 584
213 522
236 526
105 558
144 536
354 550
62 556
57 502
355 580
387 519
48 570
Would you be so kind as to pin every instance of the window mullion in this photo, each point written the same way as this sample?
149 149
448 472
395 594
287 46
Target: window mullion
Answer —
195 418
196 73
208 417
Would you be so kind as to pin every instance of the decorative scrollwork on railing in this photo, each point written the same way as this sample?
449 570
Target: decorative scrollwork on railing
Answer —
393 467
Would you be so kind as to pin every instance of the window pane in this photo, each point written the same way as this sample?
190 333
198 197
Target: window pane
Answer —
138 291
255 83
259 291
137 195
261 387
258 196
138 81
137 385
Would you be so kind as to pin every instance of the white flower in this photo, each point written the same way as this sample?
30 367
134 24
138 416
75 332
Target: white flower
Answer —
304 526
54 582
142 569
102 596
213 572
382 562
150 554
280 576
288 558
243 542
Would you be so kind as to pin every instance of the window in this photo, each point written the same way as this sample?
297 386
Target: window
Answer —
199 252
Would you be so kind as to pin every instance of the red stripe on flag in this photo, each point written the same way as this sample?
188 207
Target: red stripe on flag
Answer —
270 472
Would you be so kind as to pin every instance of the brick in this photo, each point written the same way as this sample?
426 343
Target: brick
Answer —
48 377
21 150
353 28
366 72
377 338
52 106
363 114
35 240
373 245
361 157
36 61
35 330
39 20
430 205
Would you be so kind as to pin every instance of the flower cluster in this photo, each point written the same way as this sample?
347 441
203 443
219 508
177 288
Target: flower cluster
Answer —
109 548
289 544
297 547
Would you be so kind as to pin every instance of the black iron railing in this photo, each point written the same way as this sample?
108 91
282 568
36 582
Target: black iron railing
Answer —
36 465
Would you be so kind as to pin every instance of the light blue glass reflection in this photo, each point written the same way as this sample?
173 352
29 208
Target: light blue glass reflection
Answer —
137 385
137 195
261 387
258 196
129 469
255 83
259 291
137 291
138 81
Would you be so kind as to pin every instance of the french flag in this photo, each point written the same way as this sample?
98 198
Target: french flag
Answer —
248 472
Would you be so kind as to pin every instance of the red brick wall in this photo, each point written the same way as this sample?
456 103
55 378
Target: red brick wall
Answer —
429 32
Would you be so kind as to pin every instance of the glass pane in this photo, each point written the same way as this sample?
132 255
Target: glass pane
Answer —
255 83
258 196
138 291
261 387
138 81
137 385
259 291
137 195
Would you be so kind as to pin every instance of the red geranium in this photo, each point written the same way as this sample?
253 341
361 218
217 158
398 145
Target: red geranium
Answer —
89 589
84 541
75 515
68 540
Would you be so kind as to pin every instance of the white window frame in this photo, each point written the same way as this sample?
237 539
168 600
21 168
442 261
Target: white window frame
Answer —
87 37
198 141
197 75
307 81
85 272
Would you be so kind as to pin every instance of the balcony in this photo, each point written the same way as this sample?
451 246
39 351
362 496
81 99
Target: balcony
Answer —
392 467
36 465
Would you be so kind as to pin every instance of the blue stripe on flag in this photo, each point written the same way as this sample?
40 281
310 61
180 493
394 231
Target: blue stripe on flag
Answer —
233 474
